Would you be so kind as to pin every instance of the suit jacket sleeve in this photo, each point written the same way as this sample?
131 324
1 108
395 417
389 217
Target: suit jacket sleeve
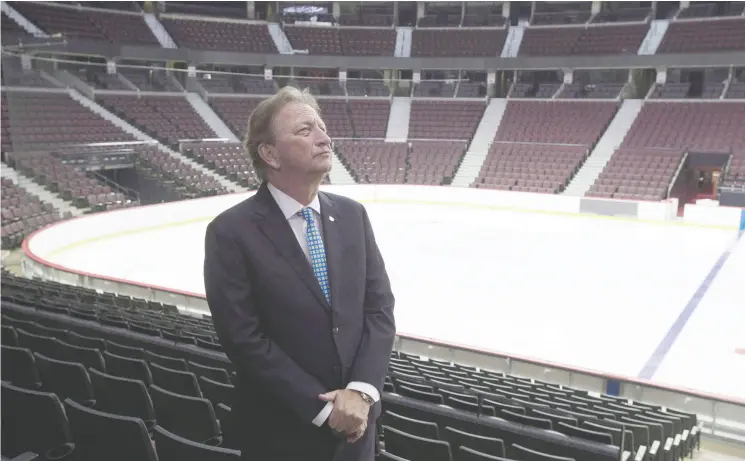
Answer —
371 363
229 294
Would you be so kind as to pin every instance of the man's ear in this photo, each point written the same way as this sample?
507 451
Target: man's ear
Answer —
268 153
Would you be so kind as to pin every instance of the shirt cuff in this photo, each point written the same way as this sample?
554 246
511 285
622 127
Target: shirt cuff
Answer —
368 389
324 414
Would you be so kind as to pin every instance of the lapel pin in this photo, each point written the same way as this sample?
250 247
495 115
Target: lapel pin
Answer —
331 218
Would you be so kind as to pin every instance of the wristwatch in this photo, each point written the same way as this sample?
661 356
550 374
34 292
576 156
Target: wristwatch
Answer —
370 401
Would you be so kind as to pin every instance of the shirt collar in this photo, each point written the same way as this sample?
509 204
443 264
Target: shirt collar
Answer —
289 206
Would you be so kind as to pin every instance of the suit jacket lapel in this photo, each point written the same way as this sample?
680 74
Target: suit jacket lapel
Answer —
333 242
277 230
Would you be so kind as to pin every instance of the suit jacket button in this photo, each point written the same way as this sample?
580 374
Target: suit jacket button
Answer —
336 367
336 330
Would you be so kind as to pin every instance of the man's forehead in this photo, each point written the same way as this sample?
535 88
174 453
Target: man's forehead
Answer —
297 111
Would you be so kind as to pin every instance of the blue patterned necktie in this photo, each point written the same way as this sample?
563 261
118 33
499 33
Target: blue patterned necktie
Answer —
317 252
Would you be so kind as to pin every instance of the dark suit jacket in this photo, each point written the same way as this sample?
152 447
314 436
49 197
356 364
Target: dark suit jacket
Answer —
285 341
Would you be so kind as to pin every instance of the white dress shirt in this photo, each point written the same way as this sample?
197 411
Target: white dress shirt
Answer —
290 209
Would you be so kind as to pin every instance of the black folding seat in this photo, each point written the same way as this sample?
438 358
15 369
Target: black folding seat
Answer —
215 374
457 438
77 339
527 454
415 448
45 345
89 357
574 431
553 417
167 362
34 421
180 382
216 392
431 397
385 456
171 447
125 351
123 397
426 429
230 434
128 368
66 379
540 423
468 454
18 323
51 332
470 406
190 417
103 436
144 329
9 336
19 367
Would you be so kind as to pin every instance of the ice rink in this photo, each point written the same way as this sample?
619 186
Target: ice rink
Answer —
611 295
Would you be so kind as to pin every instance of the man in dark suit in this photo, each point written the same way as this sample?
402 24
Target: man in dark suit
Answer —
300 298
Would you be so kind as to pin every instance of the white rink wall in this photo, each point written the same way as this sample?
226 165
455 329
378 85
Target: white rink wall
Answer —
77 231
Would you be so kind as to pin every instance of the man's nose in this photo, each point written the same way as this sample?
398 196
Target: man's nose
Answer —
323 138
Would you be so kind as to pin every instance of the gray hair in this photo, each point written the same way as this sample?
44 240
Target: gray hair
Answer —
261 122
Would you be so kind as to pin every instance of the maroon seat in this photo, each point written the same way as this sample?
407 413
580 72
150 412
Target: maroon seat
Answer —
540 145
645 164
223 36
47 120
367 42
111 26
639 174
227 158
234 111
528 167
565 122
168 118
698 36
458 42
444 119
583 41
374 161
369 117
317 40
434 162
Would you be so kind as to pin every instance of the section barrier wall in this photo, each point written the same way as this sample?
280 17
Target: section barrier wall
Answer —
721 416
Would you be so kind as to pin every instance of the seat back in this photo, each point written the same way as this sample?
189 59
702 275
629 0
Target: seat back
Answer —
122 396
426 429
217 392
88 356
99 435
19 367
215 374
189 417
33 421
415 448
180 382
66 379
587 434
526 454
489 445
469 454
171 447
168 362
128 368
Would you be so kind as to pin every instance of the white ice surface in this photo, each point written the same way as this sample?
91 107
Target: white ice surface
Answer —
704 356
593 293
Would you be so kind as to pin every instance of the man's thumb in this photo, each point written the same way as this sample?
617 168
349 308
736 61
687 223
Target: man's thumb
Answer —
328 396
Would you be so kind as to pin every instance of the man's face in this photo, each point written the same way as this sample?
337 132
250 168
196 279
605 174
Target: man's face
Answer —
301 146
